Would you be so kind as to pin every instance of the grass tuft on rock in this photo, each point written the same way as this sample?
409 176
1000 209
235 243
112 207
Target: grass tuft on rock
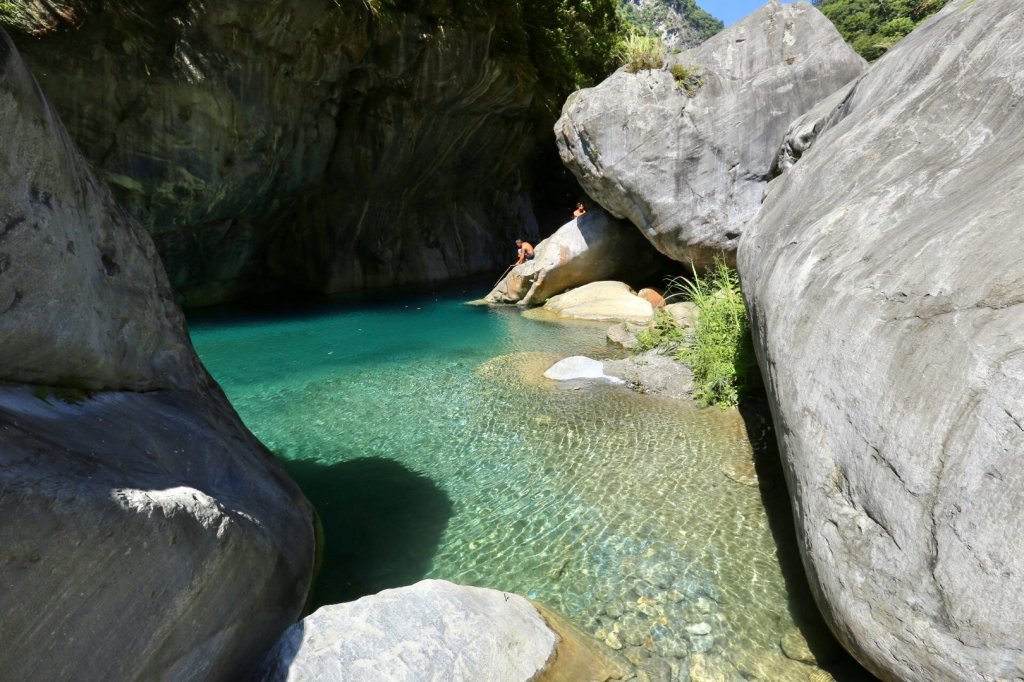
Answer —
719 348
664 334
687 77
639 51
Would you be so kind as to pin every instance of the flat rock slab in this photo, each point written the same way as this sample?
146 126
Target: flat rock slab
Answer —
654 373
432 630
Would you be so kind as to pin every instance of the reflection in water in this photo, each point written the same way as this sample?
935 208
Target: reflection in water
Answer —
426 439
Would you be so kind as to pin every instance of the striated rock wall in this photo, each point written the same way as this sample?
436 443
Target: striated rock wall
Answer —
884 280
687 162
305 144
146 533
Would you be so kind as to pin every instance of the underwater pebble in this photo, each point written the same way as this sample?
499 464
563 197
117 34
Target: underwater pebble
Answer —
699 629
613 641
702 643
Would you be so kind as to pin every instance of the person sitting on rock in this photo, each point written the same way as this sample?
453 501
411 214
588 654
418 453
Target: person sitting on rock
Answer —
580 210
525 251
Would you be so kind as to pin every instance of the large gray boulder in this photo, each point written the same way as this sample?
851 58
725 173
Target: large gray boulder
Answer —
586 249
146 534
690 171
434 630
884 278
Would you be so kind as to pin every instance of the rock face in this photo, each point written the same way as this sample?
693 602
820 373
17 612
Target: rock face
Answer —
303 144
431 630
884 280
593 247
599 301
690 171
146 533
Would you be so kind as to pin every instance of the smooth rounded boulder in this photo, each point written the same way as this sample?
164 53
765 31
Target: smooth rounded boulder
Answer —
597 301
589 248
884 279
146 533
685 157
435 630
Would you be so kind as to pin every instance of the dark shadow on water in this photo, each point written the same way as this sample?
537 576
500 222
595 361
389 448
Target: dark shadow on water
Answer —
775 497
381 522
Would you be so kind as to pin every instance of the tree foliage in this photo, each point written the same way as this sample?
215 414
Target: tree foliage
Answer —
873 26
649 16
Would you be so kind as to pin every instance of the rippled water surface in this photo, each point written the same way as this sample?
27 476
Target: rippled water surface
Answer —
431 447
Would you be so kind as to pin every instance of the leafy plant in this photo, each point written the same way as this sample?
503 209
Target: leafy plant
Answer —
688 78
664 333
719 348
638 51
672 14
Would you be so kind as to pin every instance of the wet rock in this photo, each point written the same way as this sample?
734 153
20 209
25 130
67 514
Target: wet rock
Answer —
579 367
884 279
624 335
590 248
601 301
703 668
656 374
690 171
146 533
698 629
654 670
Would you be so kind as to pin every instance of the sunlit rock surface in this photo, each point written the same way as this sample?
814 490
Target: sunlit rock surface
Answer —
884 277
586 249
599 302
304 145
435 630
689 171
146 533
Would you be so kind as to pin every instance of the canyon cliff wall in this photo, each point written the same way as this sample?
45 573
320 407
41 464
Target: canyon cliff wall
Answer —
312 145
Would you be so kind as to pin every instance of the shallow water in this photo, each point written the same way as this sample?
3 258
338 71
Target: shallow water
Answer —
431 447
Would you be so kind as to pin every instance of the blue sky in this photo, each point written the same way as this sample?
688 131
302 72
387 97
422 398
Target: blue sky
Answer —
730 11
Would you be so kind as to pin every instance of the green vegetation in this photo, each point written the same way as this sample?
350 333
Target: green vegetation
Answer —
664 333
718 348
873 26
638 51
651 16
687 77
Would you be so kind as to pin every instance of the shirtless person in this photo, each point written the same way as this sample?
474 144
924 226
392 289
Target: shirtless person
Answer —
525 251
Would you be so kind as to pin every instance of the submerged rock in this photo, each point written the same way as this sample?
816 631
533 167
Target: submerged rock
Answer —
146 533
589 248
654 373
602 302
435 630
689 171
884 279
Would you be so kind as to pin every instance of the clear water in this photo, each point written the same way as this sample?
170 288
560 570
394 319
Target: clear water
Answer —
431 447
